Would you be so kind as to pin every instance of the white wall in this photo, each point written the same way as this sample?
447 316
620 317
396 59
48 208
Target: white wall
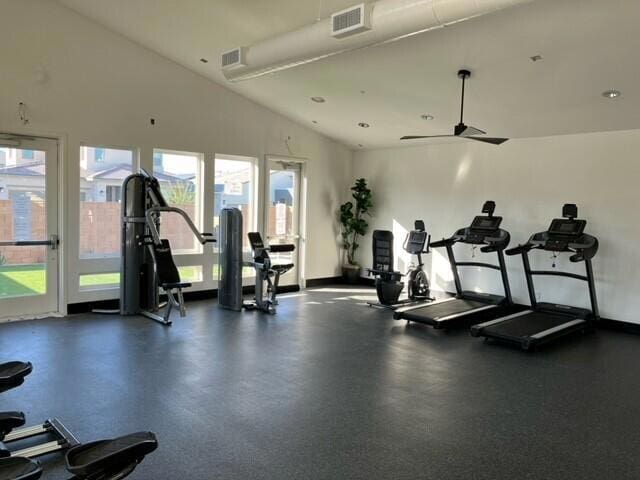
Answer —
89 85
530 180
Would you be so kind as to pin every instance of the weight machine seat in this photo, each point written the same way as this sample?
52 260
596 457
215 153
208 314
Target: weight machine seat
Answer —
110 459
12 374
171 286
282 267
9 421
19 468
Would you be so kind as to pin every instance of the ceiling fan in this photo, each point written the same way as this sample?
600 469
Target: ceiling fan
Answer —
461 130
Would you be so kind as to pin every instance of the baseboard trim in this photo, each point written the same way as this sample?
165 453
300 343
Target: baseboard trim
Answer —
114 304
323 282
619 326
326 281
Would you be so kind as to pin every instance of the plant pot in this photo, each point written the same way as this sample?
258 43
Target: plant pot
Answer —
351 274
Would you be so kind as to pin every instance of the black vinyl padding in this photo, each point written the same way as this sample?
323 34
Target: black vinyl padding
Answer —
18 468
527 325
382 250
166 269
112 456
435 311
9 421
12 372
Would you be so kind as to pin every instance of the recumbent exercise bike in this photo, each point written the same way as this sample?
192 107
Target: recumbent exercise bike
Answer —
387 280
267 273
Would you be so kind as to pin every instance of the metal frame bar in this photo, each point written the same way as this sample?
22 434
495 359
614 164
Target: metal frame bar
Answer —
64 438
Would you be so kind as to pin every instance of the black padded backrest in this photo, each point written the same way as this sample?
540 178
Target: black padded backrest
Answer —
255 239
383 250
165 266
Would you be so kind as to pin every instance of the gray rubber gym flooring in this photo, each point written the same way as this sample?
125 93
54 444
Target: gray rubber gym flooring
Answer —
332 389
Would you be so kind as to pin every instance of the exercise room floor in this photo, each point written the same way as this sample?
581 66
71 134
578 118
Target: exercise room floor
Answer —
332 389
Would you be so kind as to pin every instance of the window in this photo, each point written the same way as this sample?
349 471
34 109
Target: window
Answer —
99 155
28 155
179 174
235 186
102 171
114 193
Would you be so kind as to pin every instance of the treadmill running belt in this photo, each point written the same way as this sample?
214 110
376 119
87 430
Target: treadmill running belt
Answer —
440 310
526 325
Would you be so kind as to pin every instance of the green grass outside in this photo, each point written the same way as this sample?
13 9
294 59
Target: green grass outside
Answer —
25 280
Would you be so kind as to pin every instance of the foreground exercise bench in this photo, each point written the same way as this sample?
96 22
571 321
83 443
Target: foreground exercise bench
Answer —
103 460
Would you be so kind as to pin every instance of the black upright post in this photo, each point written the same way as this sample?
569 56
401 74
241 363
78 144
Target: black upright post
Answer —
454 268
505 278
592 289
529 277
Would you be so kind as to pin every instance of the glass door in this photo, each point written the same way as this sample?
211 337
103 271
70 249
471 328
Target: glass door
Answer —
282 213
28 226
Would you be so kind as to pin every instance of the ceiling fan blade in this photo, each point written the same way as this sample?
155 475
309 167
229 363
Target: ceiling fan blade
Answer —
417 137
470 131
492 141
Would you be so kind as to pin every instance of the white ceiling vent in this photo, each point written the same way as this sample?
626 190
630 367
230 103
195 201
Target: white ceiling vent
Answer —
356 19
234 58
386 21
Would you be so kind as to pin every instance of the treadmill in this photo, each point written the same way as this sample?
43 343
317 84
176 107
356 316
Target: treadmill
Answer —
548 321
484 230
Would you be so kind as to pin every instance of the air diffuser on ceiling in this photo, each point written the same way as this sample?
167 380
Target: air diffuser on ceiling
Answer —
233 58
351 21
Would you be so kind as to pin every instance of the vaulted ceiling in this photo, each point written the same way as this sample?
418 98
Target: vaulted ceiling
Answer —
587 47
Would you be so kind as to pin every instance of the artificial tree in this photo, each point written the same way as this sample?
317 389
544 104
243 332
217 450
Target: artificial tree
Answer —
352 220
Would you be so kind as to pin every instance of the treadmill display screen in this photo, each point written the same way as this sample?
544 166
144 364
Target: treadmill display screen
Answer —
562 226
486 223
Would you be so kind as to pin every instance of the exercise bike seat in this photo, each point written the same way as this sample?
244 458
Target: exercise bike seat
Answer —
9 421
19 468
115 458
12 374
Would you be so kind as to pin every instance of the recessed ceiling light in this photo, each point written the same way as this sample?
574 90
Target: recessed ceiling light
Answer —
611 93
318 99
426 116
363 125
204 60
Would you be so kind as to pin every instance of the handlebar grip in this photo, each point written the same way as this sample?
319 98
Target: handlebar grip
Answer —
518 250
488 249
441 243
578 257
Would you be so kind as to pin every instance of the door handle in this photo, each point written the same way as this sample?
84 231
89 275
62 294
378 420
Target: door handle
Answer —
53 242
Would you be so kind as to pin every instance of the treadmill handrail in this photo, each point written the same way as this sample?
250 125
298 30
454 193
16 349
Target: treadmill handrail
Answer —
520 249
443 243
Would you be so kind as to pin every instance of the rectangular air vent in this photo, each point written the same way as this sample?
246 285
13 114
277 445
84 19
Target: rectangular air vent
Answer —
234 58
351 21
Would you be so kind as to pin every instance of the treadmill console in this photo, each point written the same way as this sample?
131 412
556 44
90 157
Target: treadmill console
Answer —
481 228
561 233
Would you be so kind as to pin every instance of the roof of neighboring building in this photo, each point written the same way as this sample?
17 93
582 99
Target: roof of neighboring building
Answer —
30 169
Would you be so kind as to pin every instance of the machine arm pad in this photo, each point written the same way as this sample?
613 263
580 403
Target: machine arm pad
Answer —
282 247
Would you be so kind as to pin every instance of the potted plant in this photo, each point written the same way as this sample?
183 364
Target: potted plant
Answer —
354 225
